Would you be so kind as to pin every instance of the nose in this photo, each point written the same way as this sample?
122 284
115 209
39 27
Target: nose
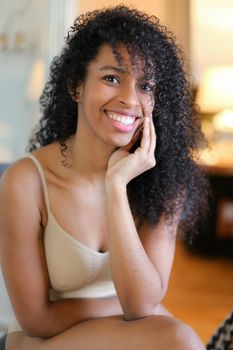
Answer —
128 96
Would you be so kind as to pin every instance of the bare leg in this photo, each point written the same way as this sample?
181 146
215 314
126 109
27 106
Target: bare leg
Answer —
151 333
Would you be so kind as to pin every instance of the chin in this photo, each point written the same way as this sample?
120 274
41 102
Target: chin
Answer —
120 143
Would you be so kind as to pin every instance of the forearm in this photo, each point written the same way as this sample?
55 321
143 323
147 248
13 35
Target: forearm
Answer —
137 280
57 316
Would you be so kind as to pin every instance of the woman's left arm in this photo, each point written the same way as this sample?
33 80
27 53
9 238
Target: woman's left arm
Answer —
140 261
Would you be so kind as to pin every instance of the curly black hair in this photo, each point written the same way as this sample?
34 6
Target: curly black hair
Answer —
176 183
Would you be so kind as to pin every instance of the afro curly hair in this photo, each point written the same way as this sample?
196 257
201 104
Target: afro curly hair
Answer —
176 183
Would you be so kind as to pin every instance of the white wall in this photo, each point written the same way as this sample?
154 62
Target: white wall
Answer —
27 20
211 34
172 13
42 25
152 7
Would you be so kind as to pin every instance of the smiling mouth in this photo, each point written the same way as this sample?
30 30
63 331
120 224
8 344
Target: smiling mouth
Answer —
120 118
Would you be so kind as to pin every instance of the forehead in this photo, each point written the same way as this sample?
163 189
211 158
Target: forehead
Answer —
120 58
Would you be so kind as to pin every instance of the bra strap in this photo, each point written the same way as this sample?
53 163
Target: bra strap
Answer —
41 173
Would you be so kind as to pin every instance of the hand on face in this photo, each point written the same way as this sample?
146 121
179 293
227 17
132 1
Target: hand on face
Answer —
123 166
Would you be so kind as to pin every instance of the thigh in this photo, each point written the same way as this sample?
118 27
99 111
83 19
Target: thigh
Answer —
154 332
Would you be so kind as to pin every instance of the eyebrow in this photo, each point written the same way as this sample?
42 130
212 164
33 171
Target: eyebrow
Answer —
123 70
114 68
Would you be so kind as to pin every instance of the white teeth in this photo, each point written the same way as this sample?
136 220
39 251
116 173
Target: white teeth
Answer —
121 119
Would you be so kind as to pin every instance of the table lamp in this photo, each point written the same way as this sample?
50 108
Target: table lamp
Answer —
215 97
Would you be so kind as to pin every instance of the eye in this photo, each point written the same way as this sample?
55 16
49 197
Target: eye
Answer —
147 87
111 79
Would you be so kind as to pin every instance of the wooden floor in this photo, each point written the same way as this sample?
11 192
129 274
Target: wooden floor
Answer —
200 292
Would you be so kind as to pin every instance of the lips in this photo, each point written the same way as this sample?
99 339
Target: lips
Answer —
124 119
123 122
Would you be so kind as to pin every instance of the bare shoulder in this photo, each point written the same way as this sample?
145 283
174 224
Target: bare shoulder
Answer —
19 193
21 187
23 175
20 174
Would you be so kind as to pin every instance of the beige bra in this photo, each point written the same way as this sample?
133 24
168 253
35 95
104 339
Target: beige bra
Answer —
75 270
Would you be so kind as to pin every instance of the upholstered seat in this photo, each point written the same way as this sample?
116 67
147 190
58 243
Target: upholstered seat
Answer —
3 166
2 342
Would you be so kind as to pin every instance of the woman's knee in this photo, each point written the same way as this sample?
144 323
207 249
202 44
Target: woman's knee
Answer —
179 336
20 341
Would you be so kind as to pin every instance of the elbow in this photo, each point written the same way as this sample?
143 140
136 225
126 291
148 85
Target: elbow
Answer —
138 312
136 316
37 326
38 330
146 307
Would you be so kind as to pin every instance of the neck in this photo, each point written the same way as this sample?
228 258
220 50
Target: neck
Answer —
89 159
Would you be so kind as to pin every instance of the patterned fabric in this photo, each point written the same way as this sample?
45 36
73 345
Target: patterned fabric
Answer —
223 337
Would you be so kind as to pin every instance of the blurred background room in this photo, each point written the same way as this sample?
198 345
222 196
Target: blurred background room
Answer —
32 32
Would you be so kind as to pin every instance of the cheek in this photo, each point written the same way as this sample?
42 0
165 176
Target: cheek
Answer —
147 103
98 97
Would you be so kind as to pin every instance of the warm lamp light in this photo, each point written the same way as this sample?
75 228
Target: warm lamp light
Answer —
223 121
215 95
216 89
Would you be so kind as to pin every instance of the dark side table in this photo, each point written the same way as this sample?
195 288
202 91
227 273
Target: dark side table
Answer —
217 238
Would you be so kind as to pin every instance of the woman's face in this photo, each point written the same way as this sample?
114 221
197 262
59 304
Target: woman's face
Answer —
114 98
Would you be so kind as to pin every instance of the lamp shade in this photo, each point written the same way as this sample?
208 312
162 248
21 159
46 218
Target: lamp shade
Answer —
216 89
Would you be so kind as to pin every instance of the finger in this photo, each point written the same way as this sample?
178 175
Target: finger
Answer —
135 138
152 138
138 131
145 143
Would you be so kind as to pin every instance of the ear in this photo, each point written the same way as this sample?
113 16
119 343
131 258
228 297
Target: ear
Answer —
76 95
79 93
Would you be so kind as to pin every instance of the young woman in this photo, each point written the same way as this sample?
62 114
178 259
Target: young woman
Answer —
90 217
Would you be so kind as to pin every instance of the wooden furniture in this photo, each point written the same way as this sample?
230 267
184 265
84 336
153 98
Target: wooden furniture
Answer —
218 164
200 290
